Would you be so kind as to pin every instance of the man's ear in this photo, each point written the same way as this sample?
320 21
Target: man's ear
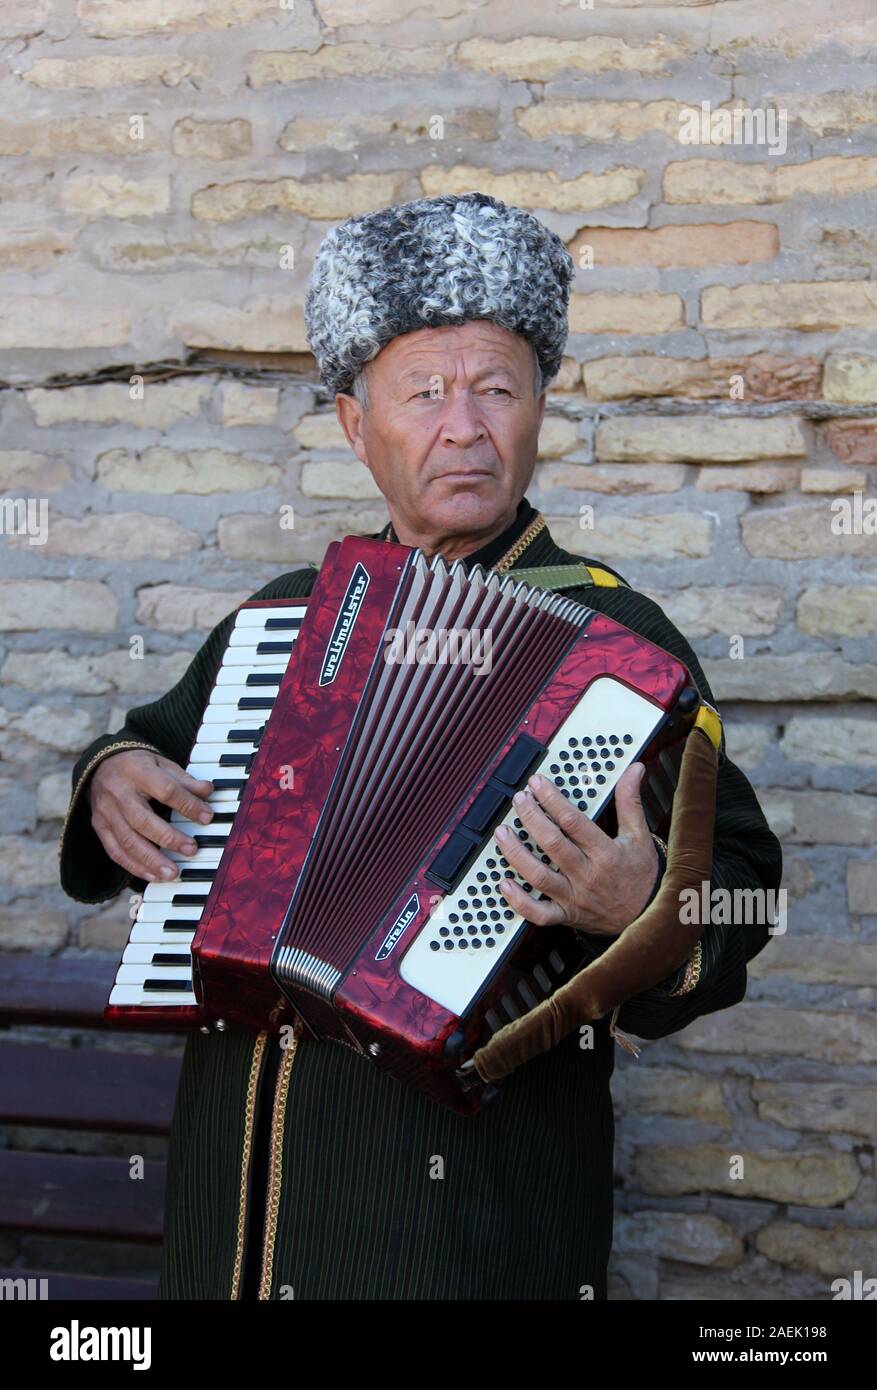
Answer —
350 416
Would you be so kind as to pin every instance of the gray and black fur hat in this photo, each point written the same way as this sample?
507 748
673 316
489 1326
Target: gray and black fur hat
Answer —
432 262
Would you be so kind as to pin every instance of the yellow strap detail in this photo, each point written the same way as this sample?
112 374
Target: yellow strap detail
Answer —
602 577
710 721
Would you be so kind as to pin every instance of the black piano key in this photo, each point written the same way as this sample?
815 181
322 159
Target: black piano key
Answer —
197 874
180 924
244 735
287 624
264 678
235 760
273 648
167 986
222 817
255 702
171 958
188 899
211 841
225 784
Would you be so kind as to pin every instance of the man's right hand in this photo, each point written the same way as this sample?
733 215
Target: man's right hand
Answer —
119 793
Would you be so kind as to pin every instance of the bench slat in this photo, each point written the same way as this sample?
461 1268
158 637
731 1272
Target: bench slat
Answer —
41 989
87 1088
80 1196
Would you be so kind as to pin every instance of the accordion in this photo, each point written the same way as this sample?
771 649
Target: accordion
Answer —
364 744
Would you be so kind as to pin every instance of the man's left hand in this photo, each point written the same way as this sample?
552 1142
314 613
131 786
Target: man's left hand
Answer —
599 884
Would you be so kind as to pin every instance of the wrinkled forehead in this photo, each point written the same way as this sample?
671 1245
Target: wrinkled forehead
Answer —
472 349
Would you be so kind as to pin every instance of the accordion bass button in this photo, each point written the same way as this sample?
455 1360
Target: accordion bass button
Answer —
689 700
220 1025
455 1043
374 1049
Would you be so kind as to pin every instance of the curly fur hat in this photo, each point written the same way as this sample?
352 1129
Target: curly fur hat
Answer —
432 262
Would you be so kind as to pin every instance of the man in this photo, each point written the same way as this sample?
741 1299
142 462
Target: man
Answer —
305 1172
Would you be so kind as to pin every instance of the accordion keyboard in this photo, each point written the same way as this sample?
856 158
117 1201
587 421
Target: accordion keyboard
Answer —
156 967
472 928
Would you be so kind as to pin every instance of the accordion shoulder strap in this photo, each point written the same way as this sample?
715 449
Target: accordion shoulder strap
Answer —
568 577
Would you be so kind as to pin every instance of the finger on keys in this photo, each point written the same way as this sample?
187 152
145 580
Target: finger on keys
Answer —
550 835
575 823
201 788
136 854
153 828
183 797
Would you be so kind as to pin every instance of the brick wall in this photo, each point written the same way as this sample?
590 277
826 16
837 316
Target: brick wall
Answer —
166 174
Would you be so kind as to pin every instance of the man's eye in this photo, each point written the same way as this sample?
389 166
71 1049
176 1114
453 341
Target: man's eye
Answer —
502 389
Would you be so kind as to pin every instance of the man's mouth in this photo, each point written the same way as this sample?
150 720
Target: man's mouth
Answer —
461 473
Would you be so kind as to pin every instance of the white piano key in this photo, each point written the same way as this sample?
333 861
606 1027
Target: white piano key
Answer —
248 636
227 697
212 748
164 890
257 617
131 995
141 953
139 973
209 771
191 827
234 675
152 912
224 799
223 717
206 858
155 932
230 694
236 657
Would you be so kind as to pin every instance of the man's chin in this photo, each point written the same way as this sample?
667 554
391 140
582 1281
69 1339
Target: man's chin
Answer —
458 505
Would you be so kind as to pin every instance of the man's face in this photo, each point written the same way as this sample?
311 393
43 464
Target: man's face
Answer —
451 429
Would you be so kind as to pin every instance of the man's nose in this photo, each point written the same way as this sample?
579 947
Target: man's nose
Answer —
461 418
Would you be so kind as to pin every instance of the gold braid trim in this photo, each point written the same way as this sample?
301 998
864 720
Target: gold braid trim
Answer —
507 561
692 972
246 1157
120 747
275 1168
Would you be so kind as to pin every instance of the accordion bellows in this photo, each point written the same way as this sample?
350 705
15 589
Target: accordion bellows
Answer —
356 895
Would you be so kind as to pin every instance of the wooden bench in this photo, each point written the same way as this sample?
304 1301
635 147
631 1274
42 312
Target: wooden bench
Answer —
77 1088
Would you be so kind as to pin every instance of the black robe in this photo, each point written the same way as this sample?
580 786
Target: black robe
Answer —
307 1173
